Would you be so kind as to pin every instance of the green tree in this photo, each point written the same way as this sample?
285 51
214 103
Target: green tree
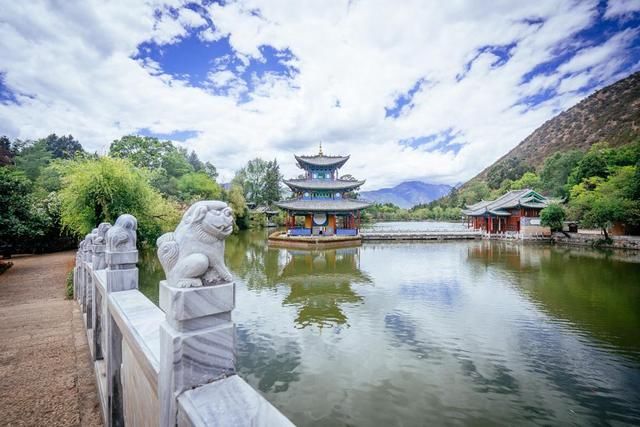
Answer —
62 147
22 219
474 192
556 171
528 180
98 190
512 169
142 151
198 186
175 163
235 198
594 163
33 158
260 181
552 216
272 192
599 202
6 153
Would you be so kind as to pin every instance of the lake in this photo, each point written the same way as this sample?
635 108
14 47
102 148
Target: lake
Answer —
473 332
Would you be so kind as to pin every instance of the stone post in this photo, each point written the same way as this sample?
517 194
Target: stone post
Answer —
121 257
86 270
90 287
197 338
99 263
78 274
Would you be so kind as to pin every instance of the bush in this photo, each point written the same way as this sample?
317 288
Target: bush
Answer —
100 190
552 216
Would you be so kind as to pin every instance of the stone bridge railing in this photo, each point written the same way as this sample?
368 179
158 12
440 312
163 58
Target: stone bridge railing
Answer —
173 365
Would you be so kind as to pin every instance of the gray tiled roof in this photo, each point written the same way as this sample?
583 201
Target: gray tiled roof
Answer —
322 160
525 198
328 205
323 184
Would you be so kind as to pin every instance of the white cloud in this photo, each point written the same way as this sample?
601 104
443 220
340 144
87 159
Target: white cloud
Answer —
617 8
360 55
191 19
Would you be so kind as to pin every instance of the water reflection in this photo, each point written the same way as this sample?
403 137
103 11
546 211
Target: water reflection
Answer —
597 292
321 282
483 333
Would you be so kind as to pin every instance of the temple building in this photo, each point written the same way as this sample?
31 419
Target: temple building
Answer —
322 203
517 211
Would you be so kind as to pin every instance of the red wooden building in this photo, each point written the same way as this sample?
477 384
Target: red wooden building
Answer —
509 213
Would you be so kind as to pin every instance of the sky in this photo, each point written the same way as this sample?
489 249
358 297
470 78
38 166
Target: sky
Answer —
412 90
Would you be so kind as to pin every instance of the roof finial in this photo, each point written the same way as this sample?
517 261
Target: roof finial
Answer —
320 153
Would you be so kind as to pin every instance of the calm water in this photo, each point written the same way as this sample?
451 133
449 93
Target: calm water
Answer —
458 333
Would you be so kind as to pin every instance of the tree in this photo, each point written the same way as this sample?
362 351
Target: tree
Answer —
594 163
210 170
235 198
32 158
22 219
175 162
62 147
528 180
195 162
512 169
260 181
99 190
599 202
556 170
552 216
271 192
6 154
142 151
198 186
474 192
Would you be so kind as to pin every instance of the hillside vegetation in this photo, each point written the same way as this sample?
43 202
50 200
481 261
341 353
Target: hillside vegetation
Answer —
611 115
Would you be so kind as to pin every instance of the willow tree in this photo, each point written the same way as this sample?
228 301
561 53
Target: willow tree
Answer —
99 190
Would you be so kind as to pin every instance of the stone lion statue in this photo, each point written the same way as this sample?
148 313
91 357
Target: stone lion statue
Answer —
122 236
193 255
102 233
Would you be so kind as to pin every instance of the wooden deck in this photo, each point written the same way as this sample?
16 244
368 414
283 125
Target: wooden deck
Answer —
415 236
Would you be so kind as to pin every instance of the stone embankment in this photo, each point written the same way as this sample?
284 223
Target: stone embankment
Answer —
580 239
46 377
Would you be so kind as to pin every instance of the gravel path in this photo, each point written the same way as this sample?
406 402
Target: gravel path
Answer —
46 377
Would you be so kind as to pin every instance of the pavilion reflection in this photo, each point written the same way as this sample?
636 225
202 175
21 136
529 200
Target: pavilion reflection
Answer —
321 283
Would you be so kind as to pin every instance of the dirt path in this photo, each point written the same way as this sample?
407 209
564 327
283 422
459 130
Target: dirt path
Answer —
46 378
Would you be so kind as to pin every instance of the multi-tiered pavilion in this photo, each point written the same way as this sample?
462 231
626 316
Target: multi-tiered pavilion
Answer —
323 204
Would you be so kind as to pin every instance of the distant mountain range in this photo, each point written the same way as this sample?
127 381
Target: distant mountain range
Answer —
407 194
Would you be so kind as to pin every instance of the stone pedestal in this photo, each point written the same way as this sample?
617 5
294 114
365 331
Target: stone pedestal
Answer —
121 274
97 302
197 341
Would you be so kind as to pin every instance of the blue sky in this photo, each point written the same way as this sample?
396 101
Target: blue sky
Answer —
426 91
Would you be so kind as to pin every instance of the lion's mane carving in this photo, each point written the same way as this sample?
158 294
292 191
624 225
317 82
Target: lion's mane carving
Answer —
193 255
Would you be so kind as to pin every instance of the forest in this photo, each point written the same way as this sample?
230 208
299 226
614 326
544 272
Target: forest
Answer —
53 192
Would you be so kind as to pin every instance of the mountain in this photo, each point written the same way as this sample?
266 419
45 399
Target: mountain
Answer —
407 194
611 114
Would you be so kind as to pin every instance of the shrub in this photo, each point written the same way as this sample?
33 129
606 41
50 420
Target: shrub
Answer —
552 216
99 190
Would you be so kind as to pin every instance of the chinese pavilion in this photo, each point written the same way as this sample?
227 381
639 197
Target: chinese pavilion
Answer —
323 204
517 211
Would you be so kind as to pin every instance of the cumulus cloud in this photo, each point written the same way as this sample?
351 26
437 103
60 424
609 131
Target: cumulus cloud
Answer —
460 76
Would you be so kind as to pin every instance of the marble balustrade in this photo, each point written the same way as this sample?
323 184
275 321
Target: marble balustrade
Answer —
172 365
